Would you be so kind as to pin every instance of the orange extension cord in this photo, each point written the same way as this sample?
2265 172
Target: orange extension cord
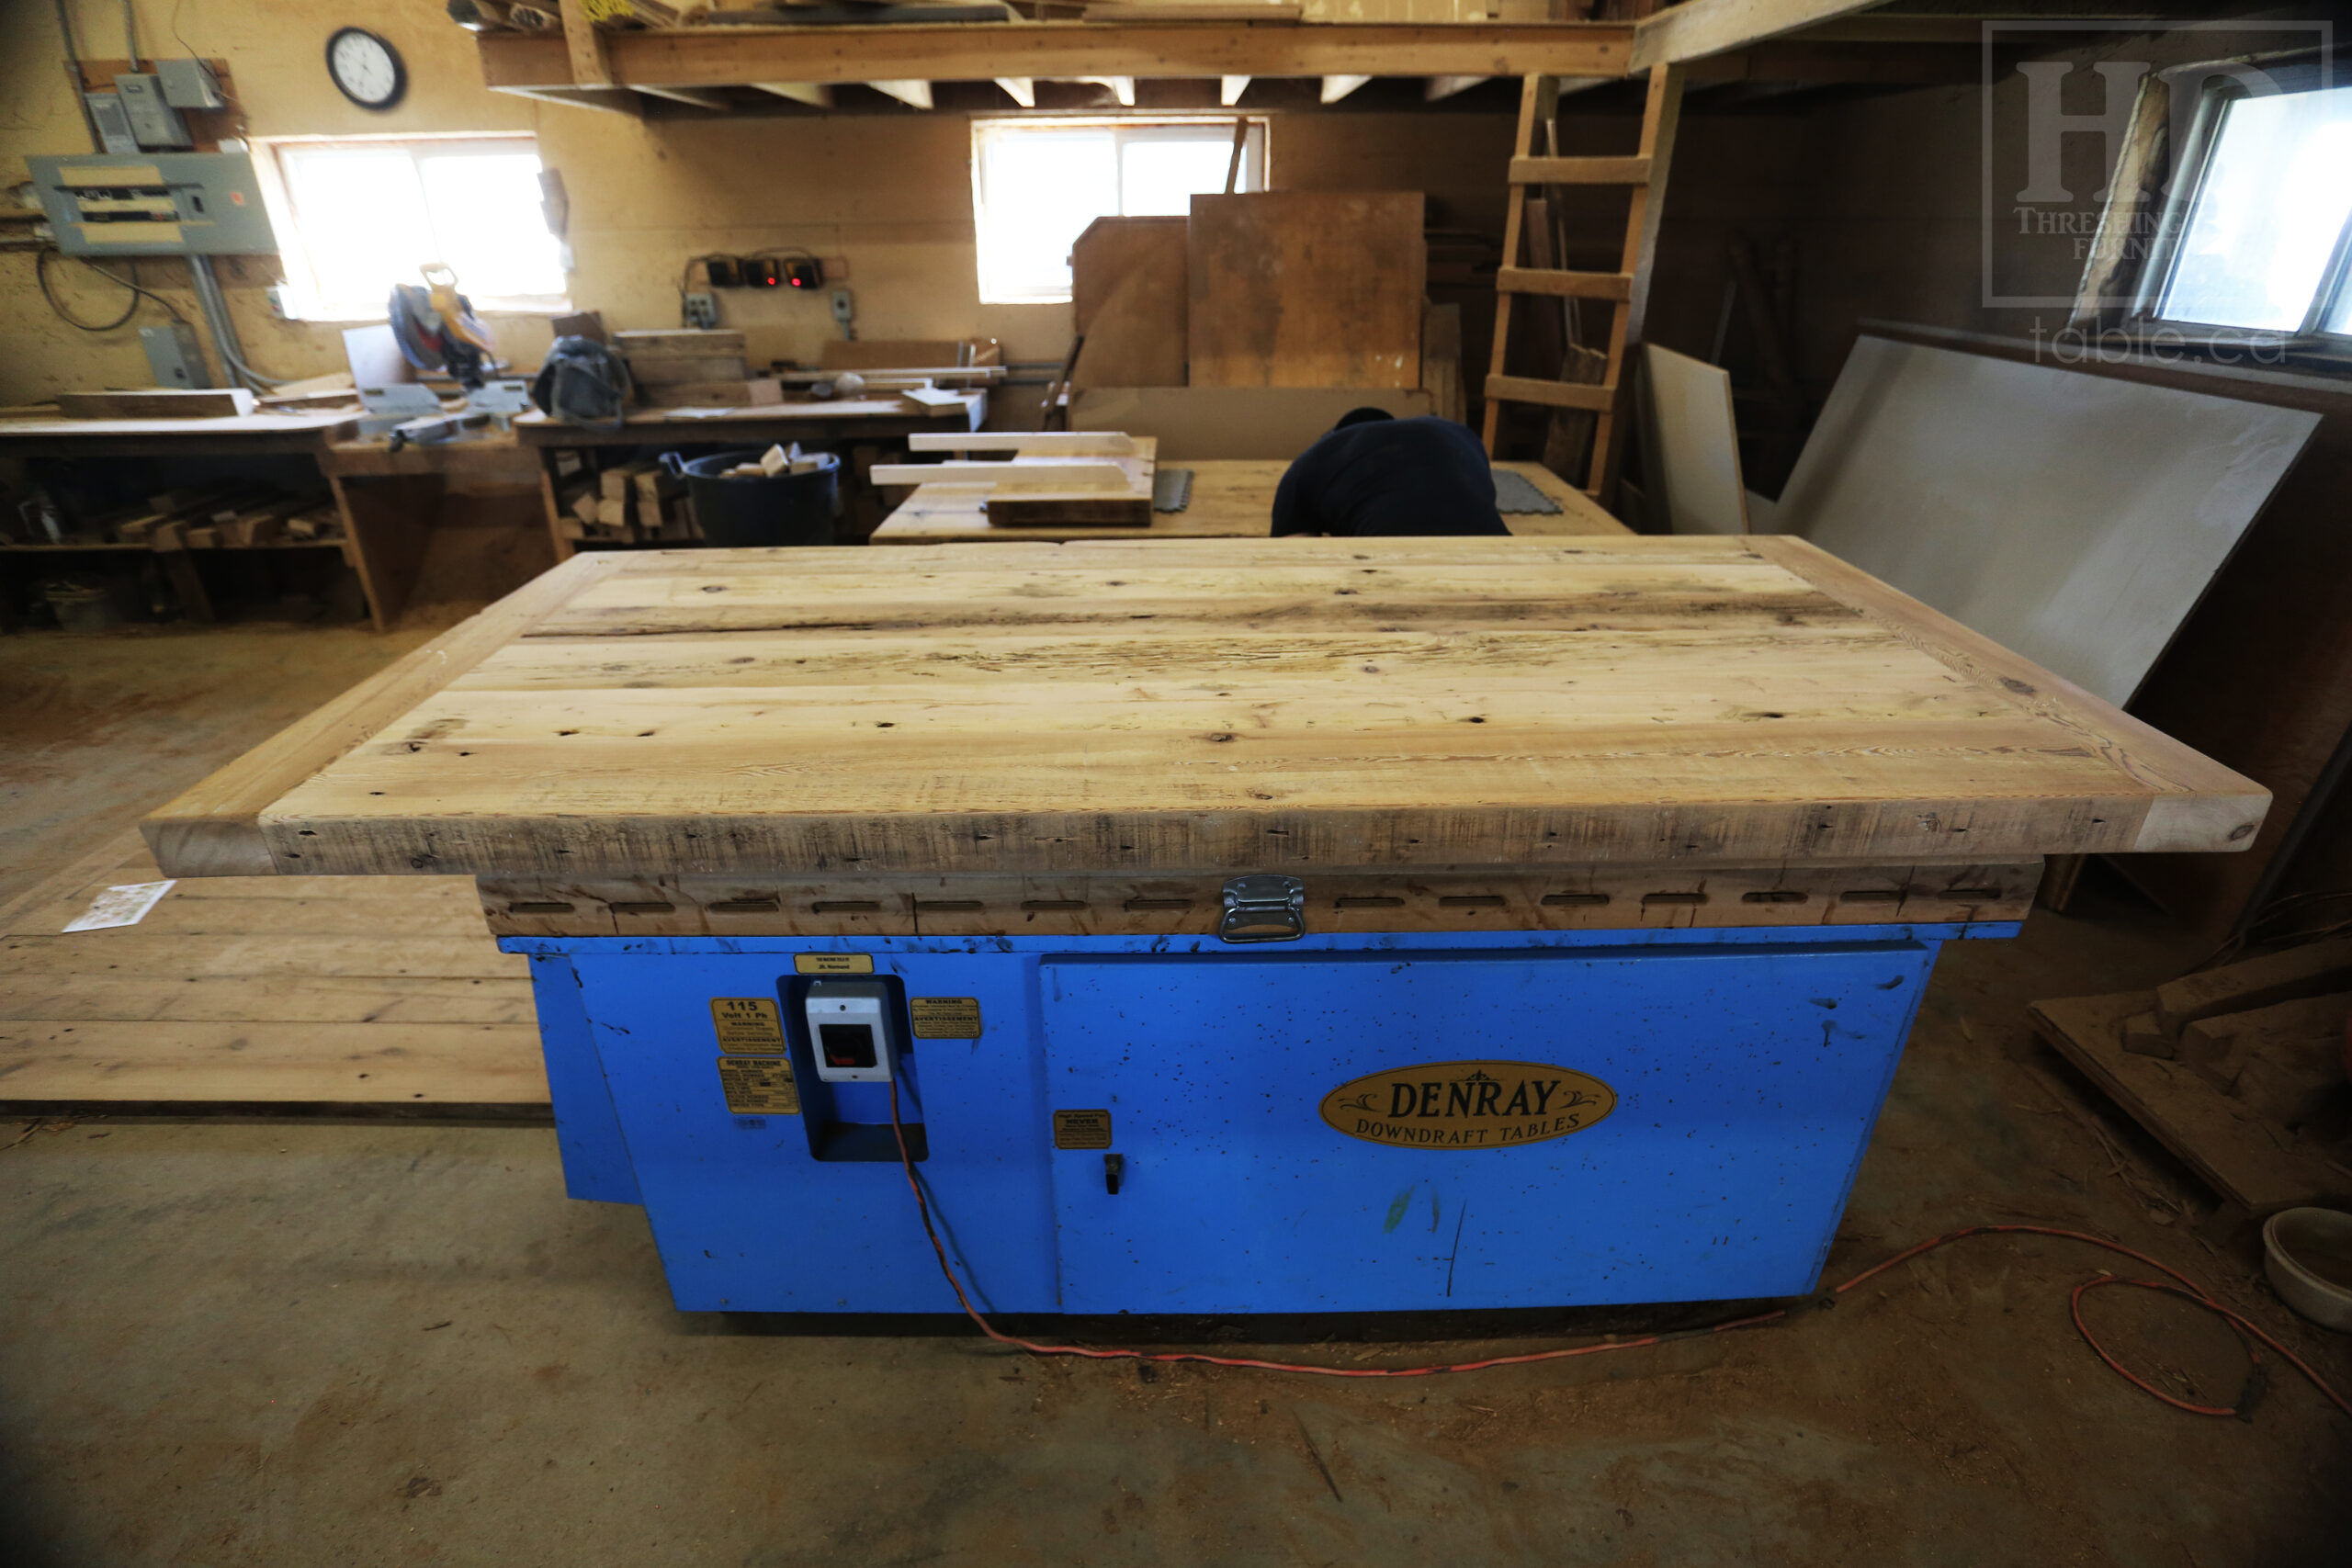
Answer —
2175 1284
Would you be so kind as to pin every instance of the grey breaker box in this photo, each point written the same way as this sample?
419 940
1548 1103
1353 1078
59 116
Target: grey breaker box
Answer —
153 204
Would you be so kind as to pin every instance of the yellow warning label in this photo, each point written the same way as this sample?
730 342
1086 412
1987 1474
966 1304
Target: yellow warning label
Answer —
1081 1129
946 1018
833 963
759 1086
747 1023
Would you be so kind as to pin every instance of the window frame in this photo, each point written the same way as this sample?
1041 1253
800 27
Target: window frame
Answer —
1257 164
305 300
2192 166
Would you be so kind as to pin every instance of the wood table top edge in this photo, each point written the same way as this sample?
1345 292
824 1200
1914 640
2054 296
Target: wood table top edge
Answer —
233 823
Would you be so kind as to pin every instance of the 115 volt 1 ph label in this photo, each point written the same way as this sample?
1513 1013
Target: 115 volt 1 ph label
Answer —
747 1023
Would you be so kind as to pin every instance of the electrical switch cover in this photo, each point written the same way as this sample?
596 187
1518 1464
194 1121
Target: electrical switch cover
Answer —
849 1025
701 312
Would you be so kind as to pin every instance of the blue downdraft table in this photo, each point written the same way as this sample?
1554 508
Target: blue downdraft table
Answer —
1285 926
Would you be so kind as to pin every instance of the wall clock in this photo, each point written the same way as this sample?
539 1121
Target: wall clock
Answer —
366 68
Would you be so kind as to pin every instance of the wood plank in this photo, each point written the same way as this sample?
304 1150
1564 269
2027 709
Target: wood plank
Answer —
261 1063
304 998
1699 701
718 57
132 953
1305 288
1552 394
212 829
159 403
1130 301
1564 285
1587 171
668 341
2261 1168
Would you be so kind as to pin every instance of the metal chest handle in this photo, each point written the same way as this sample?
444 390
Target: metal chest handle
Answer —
1264 909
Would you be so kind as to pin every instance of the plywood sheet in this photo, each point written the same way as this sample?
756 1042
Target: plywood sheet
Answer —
1306 289
1697 442
1148 706
1129 300
2074 518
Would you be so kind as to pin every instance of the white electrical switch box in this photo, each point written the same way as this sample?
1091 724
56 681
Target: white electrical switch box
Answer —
849 1026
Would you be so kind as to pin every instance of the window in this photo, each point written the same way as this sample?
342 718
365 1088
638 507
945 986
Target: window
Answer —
2256 235
1035 187
356 215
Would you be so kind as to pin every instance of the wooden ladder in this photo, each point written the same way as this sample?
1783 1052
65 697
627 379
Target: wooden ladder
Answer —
1626 290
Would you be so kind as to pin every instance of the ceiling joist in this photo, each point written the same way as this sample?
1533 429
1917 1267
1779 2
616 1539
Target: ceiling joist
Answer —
725 57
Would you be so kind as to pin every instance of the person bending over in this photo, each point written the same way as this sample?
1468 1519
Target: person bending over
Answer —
1375 474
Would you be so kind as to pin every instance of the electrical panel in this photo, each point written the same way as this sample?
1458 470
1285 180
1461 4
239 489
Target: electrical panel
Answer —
157 204
112 124
190 84
154 122
174 356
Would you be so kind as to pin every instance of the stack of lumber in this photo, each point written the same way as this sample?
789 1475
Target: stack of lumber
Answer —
1047 477
232 515
2240 1070
633 503
262 993
693 370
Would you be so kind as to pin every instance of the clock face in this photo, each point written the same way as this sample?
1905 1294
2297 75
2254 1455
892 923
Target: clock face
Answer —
366 68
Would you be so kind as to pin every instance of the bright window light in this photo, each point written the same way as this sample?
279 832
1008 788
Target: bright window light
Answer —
1037 186
358 216
2260 246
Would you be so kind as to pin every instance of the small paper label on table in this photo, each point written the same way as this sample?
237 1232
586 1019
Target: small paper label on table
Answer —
123 906
759 1086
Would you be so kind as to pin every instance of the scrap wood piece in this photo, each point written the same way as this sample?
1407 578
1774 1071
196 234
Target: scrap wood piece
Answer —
1063 483
2231 1149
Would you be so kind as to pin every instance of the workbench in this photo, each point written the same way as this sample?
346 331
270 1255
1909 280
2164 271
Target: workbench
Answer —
1225 926
389 500
1231 499
853 427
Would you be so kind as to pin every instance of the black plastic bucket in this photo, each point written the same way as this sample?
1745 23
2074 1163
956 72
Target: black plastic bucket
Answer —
790 509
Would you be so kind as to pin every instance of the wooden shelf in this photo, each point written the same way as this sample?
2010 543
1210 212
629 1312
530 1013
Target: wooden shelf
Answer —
728 57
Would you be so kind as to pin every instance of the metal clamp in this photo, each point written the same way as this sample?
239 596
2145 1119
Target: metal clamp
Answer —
1264 909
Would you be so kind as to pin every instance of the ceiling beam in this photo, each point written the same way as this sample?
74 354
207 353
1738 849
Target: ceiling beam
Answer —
1438 88
1700 27
1022 90
723 57
1230 89
1338 87
701 97
816 95
912 91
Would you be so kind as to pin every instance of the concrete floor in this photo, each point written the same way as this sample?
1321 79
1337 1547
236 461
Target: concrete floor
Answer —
361 1344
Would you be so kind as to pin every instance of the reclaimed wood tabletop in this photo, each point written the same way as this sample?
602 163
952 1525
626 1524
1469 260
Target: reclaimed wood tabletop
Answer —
1203 705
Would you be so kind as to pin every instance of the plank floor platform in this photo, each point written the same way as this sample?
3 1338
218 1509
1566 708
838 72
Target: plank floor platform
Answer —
271 995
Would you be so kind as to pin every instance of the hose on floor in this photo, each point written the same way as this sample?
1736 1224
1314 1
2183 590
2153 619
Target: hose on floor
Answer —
2175 1284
